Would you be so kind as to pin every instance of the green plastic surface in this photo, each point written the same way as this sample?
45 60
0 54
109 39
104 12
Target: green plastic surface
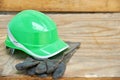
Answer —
37 32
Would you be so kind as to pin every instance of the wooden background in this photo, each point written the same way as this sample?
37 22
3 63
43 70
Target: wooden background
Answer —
61 5
99 34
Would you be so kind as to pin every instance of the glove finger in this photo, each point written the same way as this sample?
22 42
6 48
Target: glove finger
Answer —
12 51
51 65
59 71
70 51
41 68
26 65
31 71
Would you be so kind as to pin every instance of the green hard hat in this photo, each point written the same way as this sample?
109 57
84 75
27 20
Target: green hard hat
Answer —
34 33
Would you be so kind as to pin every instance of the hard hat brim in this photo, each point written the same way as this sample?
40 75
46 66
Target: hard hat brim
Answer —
49 50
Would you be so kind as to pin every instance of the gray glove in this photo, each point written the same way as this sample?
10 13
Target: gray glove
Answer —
54 66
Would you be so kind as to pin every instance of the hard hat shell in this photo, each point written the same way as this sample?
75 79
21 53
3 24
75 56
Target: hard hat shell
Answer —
34 33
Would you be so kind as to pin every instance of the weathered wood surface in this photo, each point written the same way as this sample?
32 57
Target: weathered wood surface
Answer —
65 78
61 5
99 34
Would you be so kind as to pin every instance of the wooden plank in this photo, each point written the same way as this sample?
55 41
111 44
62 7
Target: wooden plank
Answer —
65 78
61 5
99 34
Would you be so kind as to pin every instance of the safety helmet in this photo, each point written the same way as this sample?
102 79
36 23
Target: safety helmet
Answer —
34 33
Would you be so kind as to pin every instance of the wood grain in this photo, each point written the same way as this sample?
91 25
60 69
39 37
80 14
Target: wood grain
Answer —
61 5
65 78
99 34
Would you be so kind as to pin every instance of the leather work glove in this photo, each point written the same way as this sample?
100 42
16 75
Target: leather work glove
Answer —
54 66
